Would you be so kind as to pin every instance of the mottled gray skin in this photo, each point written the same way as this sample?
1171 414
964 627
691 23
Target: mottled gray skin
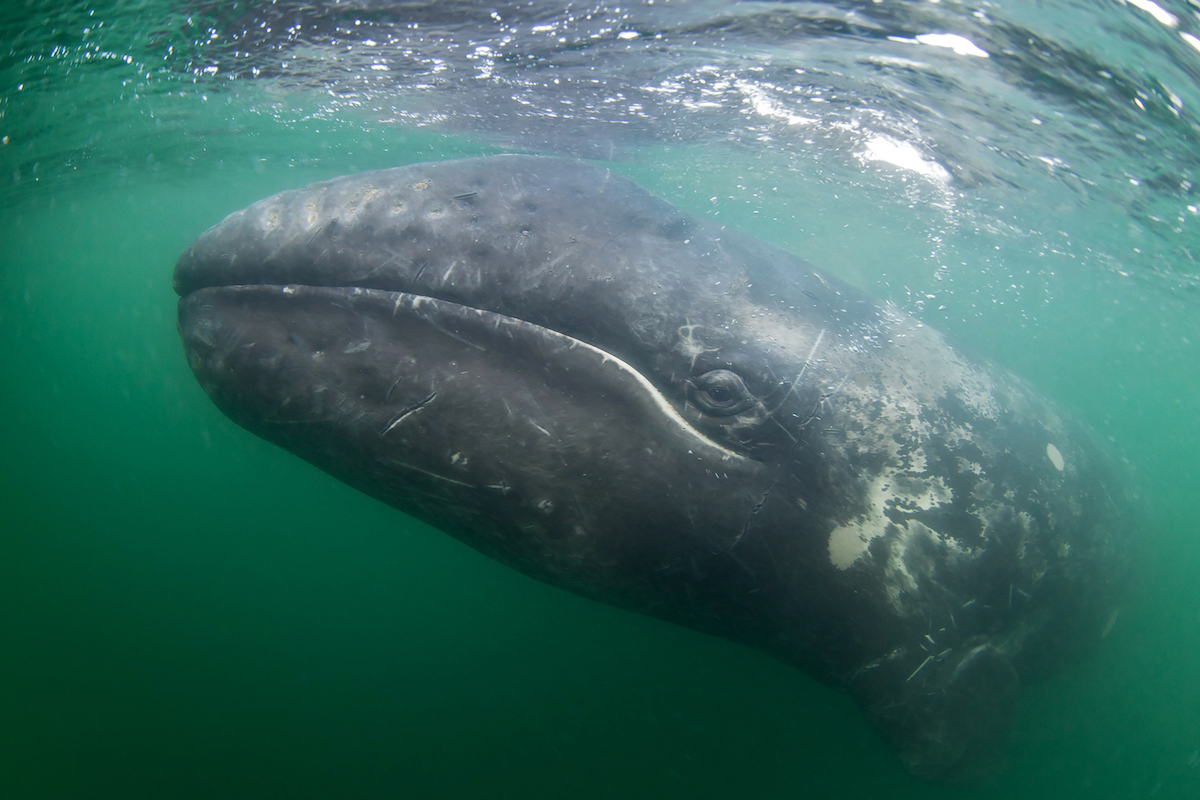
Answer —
583 382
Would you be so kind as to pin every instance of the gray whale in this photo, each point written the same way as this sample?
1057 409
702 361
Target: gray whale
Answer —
574 377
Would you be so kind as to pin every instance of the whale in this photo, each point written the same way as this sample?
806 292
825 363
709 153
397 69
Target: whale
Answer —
632 403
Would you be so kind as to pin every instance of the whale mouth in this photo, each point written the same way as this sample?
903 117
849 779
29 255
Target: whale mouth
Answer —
239 335
239 270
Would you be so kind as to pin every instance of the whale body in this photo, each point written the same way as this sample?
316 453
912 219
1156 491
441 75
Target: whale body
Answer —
610 395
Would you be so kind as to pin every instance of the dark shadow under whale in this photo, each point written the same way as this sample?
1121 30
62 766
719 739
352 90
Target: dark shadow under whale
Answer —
572 376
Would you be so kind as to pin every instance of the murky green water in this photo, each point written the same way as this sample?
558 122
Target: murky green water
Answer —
186 611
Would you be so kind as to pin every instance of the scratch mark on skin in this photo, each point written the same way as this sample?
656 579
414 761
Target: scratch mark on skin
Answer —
803 369
871 665
337 389
820 404
762 501
918 669
236 339
455 336
408 412
430 474
393 258
541 412
392 388
783 428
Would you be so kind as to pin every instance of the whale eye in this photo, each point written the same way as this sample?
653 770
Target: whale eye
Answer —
721 392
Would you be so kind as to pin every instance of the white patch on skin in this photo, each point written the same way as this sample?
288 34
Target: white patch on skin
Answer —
1055 457
969 466
901 564
893 407
1000 513
922 351
850 542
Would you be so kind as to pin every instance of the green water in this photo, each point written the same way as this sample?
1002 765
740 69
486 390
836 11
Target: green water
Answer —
186 611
